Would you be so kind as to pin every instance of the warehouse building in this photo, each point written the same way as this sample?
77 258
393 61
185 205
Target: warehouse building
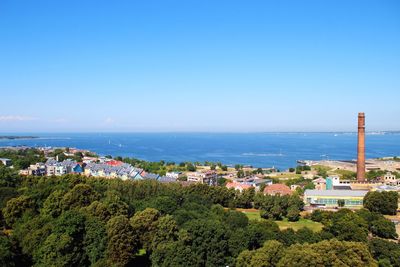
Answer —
330 198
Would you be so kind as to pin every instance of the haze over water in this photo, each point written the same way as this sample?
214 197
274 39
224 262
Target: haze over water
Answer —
280 150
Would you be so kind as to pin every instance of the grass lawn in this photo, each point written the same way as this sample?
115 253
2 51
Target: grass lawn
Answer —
285 175
315 226
252 215
321 167
284 224
345 174
141 252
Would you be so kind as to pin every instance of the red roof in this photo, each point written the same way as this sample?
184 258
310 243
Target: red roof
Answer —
114 163
238 185
319 180
275 189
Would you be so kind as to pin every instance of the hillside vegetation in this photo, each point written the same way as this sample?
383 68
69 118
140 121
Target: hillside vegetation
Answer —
77 221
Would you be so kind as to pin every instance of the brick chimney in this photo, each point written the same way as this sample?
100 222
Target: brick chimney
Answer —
361 148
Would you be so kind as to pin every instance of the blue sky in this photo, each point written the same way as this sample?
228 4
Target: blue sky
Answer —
199 65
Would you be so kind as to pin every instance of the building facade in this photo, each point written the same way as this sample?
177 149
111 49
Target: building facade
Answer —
208 177
330 198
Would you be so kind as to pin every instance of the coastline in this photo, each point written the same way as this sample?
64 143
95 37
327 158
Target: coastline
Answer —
17 137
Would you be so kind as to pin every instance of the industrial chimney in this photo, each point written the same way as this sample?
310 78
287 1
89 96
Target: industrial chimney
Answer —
361 148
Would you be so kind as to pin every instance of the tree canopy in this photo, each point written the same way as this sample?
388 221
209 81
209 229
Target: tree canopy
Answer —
73 220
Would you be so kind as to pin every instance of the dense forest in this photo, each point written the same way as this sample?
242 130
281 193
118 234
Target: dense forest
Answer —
77 221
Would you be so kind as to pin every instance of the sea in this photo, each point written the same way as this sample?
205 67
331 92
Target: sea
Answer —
279 150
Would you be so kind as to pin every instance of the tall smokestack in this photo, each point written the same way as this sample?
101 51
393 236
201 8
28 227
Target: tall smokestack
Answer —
361 148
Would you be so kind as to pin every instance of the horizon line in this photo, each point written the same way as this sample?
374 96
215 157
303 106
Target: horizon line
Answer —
194 132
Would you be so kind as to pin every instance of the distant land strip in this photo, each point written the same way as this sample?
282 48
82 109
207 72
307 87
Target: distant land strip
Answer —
12 137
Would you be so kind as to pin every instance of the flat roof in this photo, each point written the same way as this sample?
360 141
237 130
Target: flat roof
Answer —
336 193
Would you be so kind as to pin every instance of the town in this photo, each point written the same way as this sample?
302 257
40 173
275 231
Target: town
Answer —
129 210
322 184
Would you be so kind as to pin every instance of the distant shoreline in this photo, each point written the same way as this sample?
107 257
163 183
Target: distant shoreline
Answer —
13 137
259 150
202 132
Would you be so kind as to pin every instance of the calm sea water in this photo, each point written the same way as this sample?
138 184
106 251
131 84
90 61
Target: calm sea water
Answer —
281 150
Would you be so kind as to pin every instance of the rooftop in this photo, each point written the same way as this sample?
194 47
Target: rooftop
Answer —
238 185
277 188
319 180
335 193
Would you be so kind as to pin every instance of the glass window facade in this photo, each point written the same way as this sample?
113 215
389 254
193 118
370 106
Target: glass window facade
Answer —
334 201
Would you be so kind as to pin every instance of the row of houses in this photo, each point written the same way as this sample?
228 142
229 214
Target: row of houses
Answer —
109 168
53 167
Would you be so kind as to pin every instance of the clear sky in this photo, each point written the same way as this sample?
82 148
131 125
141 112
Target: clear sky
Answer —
199 65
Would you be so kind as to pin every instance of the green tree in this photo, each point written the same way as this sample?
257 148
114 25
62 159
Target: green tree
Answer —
53 204
258 232
293 214
7 193
122 241
238 241
322 171
385 250
99 210
266 256
321 216
80 196
164 204
78 156
166 231
190 167
342 253
32 233
222 181
144 224
245 198
7 254
300 256
9 177
382 202
174 254
384 228
209 242
306 235
95 239
328 253
58 250
235 219
16 207
348 226
63 246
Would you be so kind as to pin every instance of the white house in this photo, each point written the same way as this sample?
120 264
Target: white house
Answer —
6 162
174 175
